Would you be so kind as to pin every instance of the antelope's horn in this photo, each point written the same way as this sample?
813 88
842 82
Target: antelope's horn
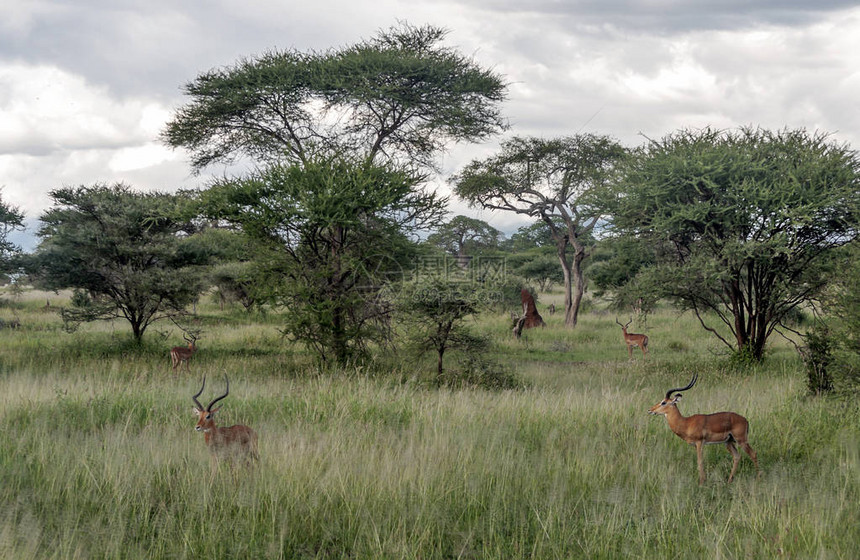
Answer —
199 406
227 392
679 389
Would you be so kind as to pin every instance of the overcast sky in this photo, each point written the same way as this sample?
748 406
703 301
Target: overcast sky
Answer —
86 86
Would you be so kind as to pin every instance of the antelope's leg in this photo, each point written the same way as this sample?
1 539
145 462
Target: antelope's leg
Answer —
751 452
736 458
701 461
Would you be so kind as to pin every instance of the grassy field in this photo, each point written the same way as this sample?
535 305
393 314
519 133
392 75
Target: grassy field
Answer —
99 459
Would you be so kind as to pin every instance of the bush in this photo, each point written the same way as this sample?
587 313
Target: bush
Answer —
479 371
817 356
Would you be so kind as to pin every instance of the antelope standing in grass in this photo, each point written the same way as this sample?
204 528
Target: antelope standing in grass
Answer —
229 443
701 429
633 340
180 354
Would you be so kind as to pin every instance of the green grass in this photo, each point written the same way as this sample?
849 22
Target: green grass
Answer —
99 458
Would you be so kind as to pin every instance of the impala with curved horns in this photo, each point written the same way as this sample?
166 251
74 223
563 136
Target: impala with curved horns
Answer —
633 340
180 354
699 429
230 442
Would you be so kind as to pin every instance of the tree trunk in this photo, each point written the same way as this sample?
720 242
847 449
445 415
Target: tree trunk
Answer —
578 288
569 310
137 330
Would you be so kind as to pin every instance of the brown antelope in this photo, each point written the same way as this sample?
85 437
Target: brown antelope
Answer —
701 429
232 442
633 340
180 354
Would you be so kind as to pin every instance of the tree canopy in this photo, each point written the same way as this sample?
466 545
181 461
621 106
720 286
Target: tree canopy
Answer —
343 140
330 233
742 222
125 252
463 237
401 96
11 219
558 181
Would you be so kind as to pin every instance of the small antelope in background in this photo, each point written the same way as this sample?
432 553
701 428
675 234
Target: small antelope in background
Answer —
180 354
633 340
701 429
232 442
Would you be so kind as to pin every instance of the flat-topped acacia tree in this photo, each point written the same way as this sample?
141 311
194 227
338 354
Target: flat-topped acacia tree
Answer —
344 141
400 96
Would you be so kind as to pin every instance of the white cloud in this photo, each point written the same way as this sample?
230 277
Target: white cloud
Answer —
86 89
44 109
140 157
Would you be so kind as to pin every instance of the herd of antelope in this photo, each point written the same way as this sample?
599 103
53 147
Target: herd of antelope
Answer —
239 443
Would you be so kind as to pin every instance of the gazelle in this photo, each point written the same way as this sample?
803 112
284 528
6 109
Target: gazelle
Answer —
699 429
180 354
633 340
232 442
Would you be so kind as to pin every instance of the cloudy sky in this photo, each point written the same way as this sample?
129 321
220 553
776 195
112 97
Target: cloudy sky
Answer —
86 86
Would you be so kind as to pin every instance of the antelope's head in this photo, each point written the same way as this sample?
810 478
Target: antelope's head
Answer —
663 407
206 416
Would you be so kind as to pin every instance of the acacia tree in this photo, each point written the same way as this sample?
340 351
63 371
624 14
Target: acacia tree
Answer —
11 219
324 127
434 314
558 181
743 221
125 253
463 235
330 233
399 96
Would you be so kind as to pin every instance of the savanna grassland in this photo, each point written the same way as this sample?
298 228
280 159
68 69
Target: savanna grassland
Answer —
99 459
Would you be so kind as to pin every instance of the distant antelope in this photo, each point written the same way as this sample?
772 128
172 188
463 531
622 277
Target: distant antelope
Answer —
229 443
633 340
181 354
701 429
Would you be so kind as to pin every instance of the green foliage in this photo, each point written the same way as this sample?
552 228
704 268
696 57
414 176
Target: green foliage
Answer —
533 236
842 322
234 281
331 237
465 237
434 311
742 223
616 261
11 219
126 253
481 371
400 95
818 355
537 266
560 181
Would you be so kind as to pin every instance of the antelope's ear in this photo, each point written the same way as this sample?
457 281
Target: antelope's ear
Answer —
676 398
214 410
196 412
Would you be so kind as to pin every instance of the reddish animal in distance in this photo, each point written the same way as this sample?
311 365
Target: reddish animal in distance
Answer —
633 340
182 354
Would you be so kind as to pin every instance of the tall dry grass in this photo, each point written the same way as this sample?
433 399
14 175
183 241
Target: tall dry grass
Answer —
99 458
